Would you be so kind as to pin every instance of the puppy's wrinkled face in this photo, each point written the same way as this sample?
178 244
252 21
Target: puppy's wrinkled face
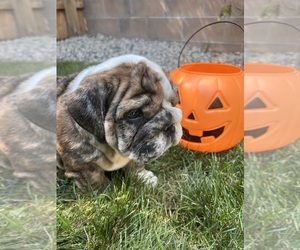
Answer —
128 104
145 120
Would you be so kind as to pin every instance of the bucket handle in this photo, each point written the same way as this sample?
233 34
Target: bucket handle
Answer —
203 27
276 22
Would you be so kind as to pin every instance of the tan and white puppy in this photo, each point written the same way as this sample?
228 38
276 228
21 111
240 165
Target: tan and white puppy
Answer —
118 113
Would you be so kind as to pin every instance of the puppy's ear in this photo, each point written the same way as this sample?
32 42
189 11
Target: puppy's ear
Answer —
175 95
143 76
88 106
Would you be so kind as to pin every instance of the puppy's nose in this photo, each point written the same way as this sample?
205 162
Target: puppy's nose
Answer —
170 130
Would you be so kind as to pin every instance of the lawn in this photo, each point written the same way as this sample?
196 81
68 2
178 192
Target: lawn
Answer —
272 200
15 68
198 204
27 219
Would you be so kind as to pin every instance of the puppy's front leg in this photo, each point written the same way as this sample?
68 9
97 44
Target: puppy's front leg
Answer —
145 175
89 178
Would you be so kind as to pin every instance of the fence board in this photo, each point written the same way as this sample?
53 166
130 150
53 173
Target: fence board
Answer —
8 28
24 17
60 5
70 19
62 29
35 4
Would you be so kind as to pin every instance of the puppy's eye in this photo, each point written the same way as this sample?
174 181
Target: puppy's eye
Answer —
134 114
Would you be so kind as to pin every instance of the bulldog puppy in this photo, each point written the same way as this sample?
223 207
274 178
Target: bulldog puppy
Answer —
27 128
118 113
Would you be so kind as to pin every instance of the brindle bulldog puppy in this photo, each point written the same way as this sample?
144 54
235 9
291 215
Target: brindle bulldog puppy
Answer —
118 113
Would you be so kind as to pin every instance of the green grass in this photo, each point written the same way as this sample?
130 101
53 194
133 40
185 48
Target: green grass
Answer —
198 204
70 67
272 200
27 218
14 68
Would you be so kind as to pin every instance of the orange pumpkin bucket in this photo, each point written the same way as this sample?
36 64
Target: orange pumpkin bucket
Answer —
271 106
211 100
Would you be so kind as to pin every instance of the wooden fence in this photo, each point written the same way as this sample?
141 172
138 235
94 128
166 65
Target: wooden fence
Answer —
70 19
21 18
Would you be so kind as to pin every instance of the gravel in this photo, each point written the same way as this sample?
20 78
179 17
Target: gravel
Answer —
99 48
291 59
96 49
38 48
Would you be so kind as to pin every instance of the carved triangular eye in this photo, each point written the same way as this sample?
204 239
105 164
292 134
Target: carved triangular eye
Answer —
191 116
256 103
216 104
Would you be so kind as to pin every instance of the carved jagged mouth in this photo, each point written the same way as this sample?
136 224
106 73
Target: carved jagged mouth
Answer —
206 133
256 132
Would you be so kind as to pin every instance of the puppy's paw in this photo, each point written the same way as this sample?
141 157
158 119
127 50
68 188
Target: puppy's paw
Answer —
148 178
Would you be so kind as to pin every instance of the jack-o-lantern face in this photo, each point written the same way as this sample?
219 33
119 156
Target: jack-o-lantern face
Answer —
211 100
258 102
271 106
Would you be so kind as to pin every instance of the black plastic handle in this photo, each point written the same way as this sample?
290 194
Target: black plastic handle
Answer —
276 22
205 26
